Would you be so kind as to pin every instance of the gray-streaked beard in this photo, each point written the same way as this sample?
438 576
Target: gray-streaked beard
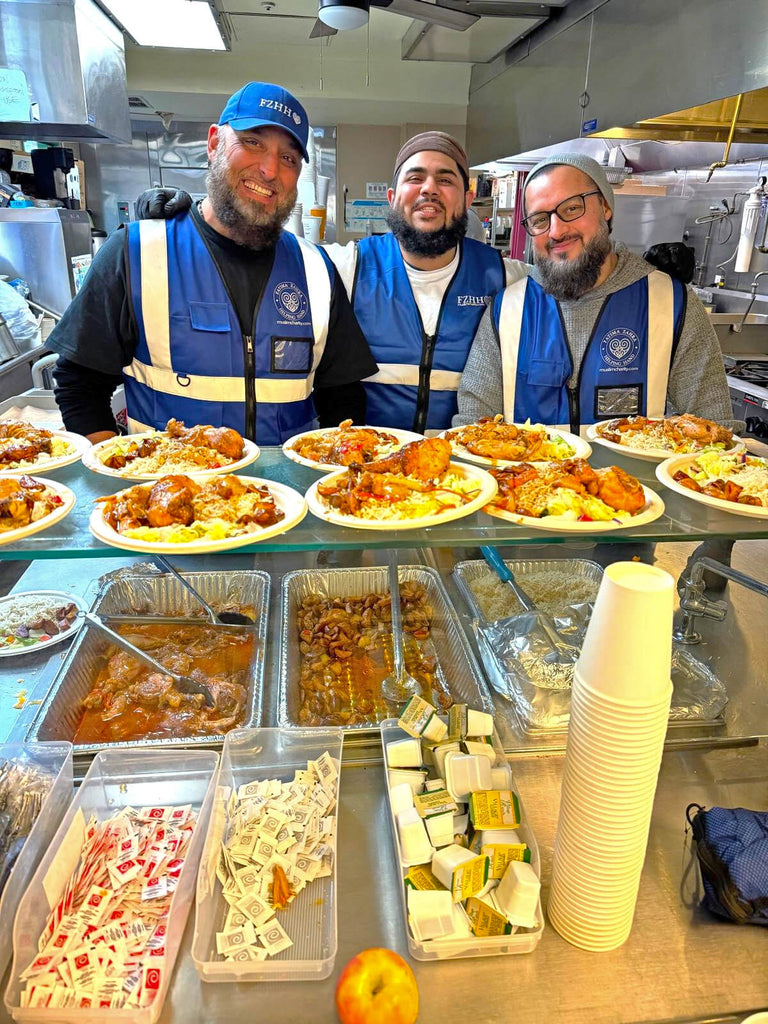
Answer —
248 224
426 243
567 280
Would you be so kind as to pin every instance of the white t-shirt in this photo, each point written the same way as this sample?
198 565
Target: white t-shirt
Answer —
428 286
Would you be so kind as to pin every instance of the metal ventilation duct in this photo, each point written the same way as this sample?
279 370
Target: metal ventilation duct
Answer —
62 72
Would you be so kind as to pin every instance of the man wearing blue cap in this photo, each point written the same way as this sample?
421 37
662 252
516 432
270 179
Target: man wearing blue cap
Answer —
217 315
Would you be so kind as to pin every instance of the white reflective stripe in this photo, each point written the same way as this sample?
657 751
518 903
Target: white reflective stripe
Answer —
154 290
137 427
405 373
217 389
661 330
319 287
510 325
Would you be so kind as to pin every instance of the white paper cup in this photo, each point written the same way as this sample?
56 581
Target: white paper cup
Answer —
322 185
312 227
627 649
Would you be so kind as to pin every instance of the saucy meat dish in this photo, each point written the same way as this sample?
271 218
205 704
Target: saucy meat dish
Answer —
130 701
199 447
344 445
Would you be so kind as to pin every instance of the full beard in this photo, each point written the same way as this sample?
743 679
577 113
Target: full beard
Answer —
567 280
249 224
426 243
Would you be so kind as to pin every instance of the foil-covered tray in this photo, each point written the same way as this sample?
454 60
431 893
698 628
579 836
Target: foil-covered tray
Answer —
459 671
125 593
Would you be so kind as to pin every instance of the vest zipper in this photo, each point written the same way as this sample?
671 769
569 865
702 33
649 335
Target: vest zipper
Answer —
574 411
576 425
250 388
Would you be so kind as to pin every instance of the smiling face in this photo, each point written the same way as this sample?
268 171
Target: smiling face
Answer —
251 182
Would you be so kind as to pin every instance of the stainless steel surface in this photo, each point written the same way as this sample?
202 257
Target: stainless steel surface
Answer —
116 173
230 618
38 245
59 714
459 671
73 57
693 603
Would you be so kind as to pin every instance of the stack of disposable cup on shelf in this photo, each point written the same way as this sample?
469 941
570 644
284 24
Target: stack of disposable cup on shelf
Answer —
619 711
294 223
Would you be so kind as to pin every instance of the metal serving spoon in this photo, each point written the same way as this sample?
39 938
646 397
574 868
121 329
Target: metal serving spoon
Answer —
228 618
182 683
398 686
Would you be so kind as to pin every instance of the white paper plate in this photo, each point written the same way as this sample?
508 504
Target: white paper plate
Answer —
654 507
582 450
646 454
290 501
47 463
92 461
665 473
57 597
403 436
488 489
68 503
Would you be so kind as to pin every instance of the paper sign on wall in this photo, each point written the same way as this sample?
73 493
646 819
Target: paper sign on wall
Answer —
80 267
358 213
14 95
376 189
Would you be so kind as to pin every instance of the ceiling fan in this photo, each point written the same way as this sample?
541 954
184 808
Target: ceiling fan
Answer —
340 15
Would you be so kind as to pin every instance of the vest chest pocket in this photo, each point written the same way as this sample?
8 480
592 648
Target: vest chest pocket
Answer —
291 355
546 373
209 316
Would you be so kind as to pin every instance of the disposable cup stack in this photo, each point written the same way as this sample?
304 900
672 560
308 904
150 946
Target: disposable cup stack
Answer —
619 713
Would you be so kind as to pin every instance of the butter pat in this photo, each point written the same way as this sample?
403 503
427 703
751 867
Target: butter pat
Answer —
479 749
517 894
438 802
457 721
401 798
440 829
501 777
414 841
486 919
414 779
496 808
420 876
404 754
430 913
434 784
439 754
419 719
479 723
500 854
465 773
464 873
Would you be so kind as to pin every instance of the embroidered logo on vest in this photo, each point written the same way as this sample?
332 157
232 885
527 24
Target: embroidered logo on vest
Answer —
619 348
291 302
472 300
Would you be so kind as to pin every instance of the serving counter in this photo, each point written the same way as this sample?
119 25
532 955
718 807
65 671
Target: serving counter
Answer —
679 964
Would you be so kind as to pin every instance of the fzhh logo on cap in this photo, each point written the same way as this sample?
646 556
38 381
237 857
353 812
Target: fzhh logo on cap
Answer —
290 301
619 348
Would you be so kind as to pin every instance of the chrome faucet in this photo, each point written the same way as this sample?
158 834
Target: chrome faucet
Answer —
694 603
753 289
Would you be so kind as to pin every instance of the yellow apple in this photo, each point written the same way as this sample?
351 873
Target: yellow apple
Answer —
377 987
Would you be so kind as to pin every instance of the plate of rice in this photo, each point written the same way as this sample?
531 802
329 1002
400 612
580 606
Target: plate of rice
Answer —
37 619
29 504
736 483
25 447
492 442
655 440
341 446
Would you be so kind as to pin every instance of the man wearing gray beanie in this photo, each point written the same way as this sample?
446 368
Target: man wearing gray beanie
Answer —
595 331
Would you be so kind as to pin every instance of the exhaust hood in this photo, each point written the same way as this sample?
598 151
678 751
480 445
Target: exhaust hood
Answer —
62 72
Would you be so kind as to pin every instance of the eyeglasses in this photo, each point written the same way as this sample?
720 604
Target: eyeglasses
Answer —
570 209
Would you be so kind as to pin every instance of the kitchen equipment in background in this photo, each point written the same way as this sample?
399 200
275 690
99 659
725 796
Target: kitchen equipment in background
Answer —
51 169
748 388
98 238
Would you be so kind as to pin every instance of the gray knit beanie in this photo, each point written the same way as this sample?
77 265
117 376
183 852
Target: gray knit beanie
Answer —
585 164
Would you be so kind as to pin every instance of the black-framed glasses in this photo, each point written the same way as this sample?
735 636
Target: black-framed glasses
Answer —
570 209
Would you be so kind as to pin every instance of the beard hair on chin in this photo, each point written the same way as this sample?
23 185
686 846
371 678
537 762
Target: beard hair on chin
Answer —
426 243
567 280
248 224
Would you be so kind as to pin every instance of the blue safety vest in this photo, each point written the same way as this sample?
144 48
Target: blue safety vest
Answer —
418 377
192 361
625 367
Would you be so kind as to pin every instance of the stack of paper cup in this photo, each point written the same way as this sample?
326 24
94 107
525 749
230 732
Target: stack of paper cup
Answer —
294 222
619 711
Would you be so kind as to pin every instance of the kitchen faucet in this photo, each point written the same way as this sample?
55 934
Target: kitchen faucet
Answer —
753 288
693 602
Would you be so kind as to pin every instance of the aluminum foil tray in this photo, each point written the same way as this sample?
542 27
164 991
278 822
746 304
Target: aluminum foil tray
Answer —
161 594
461 672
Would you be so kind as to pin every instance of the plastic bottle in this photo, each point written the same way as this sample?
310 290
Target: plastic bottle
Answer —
749 219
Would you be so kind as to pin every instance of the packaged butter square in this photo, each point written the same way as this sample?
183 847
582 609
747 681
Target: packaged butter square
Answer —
457 722
414 778
500 854
517 894
464 873
479 748
486 920
419 718
430 913
494 808
421 876
401 798
438 802
440 829
404 753
433 784
439 752
479 723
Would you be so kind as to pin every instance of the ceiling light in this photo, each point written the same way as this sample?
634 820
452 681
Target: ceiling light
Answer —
343 14
181 24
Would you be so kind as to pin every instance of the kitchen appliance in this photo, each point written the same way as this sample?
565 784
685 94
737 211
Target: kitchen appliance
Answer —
51 169
748 387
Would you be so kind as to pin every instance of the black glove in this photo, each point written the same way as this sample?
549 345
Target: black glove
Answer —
675 258
162 203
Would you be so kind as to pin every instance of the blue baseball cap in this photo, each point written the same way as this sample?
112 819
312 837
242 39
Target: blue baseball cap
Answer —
261 104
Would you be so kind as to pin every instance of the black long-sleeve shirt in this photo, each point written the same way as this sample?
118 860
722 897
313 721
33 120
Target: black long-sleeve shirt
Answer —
98 335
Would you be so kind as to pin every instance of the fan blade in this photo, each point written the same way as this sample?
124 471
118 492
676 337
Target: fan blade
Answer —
434 14
320 29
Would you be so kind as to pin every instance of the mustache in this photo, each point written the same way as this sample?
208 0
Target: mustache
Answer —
552 242
428 202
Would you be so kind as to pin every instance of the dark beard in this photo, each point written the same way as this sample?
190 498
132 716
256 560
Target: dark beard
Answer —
248 225
426 243
567 280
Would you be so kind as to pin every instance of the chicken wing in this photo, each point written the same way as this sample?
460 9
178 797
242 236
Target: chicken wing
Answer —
424 460
170 501
222 439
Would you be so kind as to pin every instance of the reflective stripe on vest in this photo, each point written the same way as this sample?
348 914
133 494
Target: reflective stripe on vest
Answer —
626 361
190 361
388 314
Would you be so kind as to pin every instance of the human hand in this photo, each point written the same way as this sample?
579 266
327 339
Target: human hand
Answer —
162 203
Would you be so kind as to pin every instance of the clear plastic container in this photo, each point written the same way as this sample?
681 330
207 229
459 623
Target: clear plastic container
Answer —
252 755
56 760
521 941
117 778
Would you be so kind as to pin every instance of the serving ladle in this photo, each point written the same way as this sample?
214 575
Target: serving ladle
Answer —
399 686
182 683
227 618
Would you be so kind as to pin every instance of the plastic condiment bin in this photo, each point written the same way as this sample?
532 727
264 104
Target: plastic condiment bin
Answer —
251 755
117 778
56 760
524 940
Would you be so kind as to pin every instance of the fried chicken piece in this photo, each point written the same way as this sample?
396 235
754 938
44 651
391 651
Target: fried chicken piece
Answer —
16 502
356 444
686 481
619 490
424 460
226 487
170 501
695 428
580 472
224 440
31 441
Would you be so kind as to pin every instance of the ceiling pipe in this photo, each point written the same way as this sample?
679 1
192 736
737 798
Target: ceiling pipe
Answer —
724 161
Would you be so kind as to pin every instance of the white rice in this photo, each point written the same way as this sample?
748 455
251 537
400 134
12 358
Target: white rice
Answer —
25 609
547 587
